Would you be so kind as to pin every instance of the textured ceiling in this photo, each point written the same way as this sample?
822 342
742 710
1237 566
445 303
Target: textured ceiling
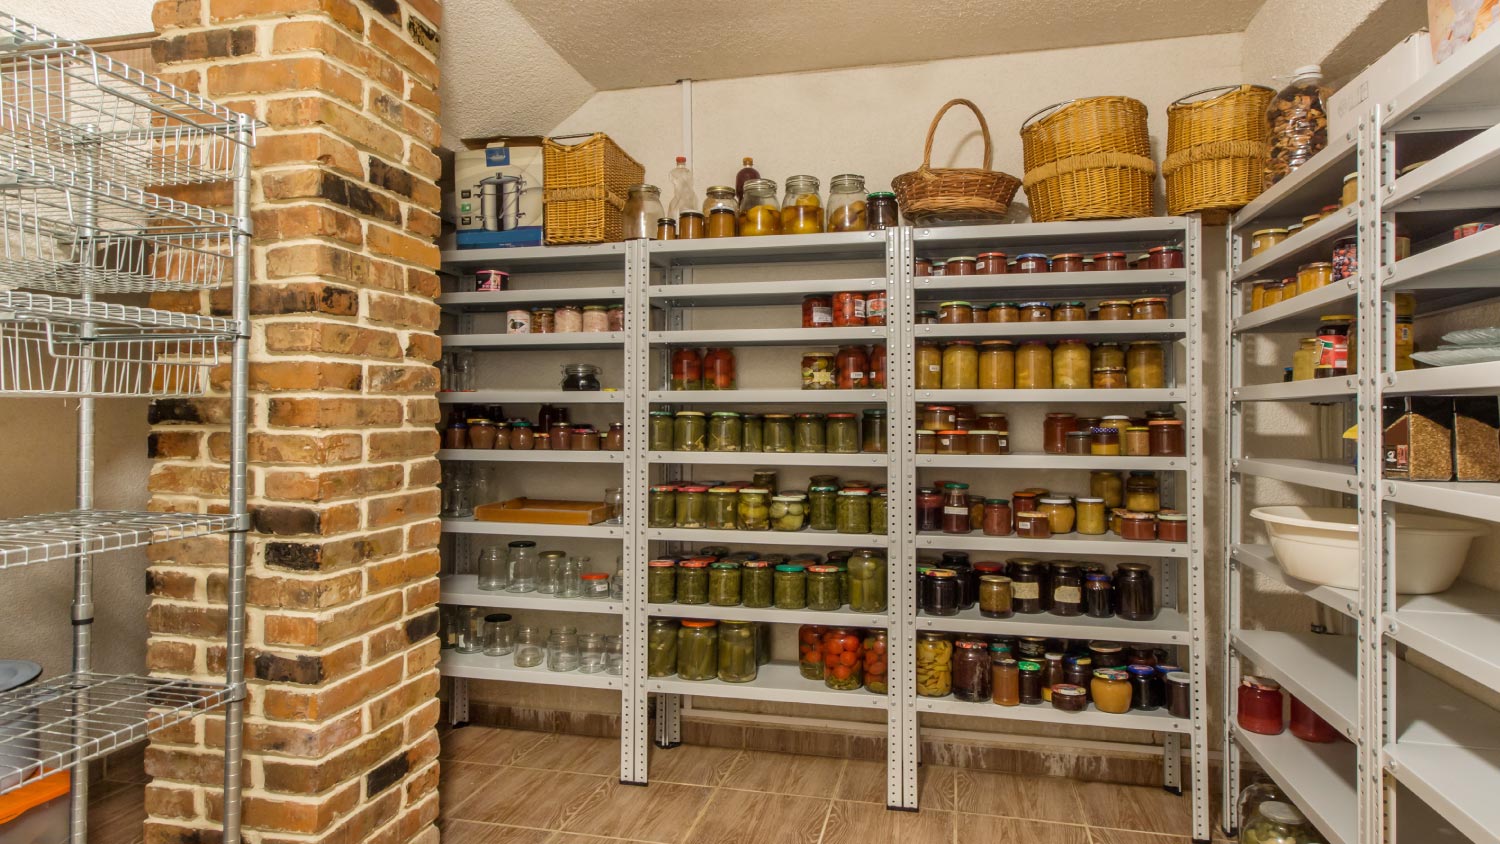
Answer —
634 43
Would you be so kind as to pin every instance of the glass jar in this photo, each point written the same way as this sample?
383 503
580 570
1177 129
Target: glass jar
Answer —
956 509
659 430
848 309
753 509
616 316
1036 312
687 369
1031 262
996 365
752 433
1026 585
853 367
1070 312
882 210
1142 493
724 579
1260 706
1334 334
847 207
723 222
1059 512
1298 120
817 311
788 512
955 313
1139 527
722 507
1104 442
692 581
960 365
929 509
1067 589
1004 312
521 566
736 657
1055 429
939 592
790 587
642 210
819 371
1091 519
570 576
756 584
778 437
875 307
1067 262
1168 437
823 588
1098 595
689 431
531 647
563 652
1071 369
810 434
724 431
929 365
759 212
872 432
1005 680
492 574
879 512
718 369
1033 525
720 196
874 662
802 209
468 630
698 650
1135 441
853 511
866 580
822 502
692 506
1302 721
499 636
1145 363
580 377
1110 690
1135 592
995 596
810 651
971 670
997 517
1148 692
1031 681
567 319
843 658
661 581
934 664
1314 275
1171 527
1034 366
1115 309
1153 307
590 653
1109 486
691 225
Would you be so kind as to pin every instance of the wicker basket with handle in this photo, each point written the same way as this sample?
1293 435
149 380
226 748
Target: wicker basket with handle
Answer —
1088 159
1216 150
935 195
584 188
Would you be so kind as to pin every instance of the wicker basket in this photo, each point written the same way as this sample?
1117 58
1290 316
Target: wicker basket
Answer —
584 187
929 196
1088 159
1216 151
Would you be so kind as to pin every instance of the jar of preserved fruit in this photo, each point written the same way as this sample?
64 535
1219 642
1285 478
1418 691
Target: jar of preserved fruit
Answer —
990 263
687 369
1109 261
842 434
802 209
1302 721
753 509
661 581
1004 312
817 311
955 313
1031 262
718 369
847 206
1137 526
934 664
1055 429
1147 691
561 434
691 225
867 582
971 670
1110 690
791 587
661 647
725 431
1334 334
720 196
1034 366
938 417
922 268
809 434
1104 442
1115 309
929 509
456 434
1153 307
778 435
1005 679
1164 258
1098 595
1260 706
1264 239
984 442
1135 592
960 365
788 512
929 365
1070 312
843 657
1067 262
853 511
1059 512
1171 527
997 365
882 211
1067 589
1091 516
1145 363
879 512
926 441
1071 365
759 213
1135 441
661 506
1108 486
810 651
1345 259
1031 681
874 661
689 431
1168 437
1026 585
522 436
692 506
819 371
1314 275
1036 311
823 588
482 434
698 650
997 517
722 222
853 368
1142 493
956 509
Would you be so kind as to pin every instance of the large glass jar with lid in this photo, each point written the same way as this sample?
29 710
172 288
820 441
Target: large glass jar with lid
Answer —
725 431
737 663
960 365
777 433
853 511
867 581
698 650
842 434
689 431
1071 368
1278 822
789 512
720 196
997 365
846 204
1034 366
724 583
759 212
642 210
659 431
822 501
661 647
934 663
1145 365
843 659
810 434
723 502
929 363
754 509
802 209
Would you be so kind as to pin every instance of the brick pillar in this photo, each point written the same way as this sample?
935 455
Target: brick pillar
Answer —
340 744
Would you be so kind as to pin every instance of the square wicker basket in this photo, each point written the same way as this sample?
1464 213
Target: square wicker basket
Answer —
584 186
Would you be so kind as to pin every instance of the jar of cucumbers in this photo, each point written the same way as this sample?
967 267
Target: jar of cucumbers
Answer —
867 581
698 650
789 511
661 647
724 584
737 662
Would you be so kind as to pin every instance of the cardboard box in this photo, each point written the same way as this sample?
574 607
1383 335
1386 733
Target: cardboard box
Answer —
1454 23
485 225
1386 77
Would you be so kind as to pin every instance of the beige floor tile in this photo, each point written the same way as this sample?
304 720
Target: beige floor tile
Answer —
469 832
458 781
488 745
578 754
1019 796
745 817
1120 836
660 812
985 829
864 782
574 838
784 773
1139 808
692 764
863 823
531 798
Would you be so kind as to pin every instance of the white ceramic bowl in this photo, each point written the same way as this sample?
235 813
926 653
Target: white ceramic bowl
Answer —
1321 545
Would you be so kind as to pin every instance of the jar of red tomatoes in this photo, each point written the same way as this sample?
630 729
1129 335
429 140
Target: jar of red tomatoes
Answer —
687 370
848 309
843 657
875 308
877 366
810 651
1308 725
817 312
853 368
1260 705
875 669
718 369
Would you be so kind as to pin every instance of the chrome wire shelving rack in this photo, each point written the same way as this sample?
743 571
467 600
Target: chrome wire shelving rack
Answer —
713 293
88 149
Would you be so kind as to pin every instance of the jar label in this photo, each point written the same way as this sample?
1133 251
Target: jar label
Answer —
856 375
859 308
518 323
1067 595
1333 350
1025 591
956 511
875 306
935 367
822 315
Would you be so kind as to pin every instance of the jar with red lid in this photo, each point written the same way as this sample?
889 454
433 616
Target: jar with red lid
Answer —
956 509
1260 706
1164 258
1031 262
1168 437
1055 429
1067 262
875 308
1109 261
877 366
1308 725
853 368
687 370
718 369
929 509
997 517
990 263
1140 527
1025 500
952 442
1033 525
817 312
848 309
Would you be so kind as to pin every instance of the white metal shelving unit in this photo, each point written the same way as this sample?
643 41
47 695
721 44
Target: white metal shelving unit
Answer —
83 142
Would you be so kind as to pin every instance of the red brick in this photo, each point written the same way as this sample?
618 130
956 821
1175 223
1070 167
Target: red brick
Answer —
172 14
204 44
423 411
170 656
423 346
180 765
294 485
299 221
174 584
403 311
186 620
423 595
419 251
306 741
401 445
347 123
397 47
277 148
423 224
289 777
424 162
395 509
299 449
424 535
424 473
166 445
394 706
333 338
342 11
331 628
295 376
333 412
332 187
394 573
278 76
165 801
306 297
199 551
296 36
263 812
301 593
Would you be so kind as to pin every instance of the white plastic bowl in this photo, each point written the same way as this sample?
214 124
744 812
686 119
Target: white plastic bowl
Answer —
1321 545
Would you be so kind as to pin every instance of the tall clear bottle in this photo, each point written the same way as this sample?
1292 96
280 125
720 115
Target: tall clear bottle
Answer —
684 198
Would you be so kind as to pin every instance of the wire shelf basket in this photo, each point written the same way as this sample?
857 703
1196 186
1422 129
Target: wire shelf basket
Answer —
67 347
63 722
31 540
63 103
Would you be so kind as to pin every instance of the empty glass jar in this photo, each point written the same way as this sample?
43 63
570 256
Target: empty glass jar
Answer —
530 647
470 631
499 634
591 653
563 649
521 562
492 569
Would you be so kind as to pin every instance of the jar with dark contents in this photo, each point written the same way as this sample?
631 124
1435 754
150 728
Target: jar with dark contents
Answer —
1135 592
1147 690
1067 589
1029 682
1026 586
881 211
971 670
1031 262
939 593
956 509
990 263
1164 258
1055 429
1111 261
922 268
955 313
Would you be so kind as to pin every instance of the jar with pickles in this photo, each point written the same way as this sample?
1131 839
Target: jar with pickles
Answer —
690 431
852 513
737 645
756 589
725 431
723 505
790 587
753 509
661 506
788 512
866 581
692 506
692 582
934 663
724 583
661 647
777 433
698 650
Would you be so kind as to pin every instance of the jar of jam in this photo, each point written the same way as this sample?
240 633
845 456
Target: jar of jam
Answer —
960 266
1004 312
456 434
1110 261
1005 680
543 321
687 369
1079 443
955 313
1108 486
1303 722
1067 262
997 365
1312 276
990 263
1164 258
1135 441
1180 698
1260 706
952 442
1151 307
1135 592
956 508
922 268
1033 525
971 670
1067 589
926 441
1030 681
937 417
881 211
985 442
934 664
1091 519
666 229
1171 527
1024 500
939 592
1070 312
1145 362
995 596
960 365
1070 365
1036 311
522 435
1142 493
1115 309
1147 690
1059 512
1069 698
1137 526
1104 442
1167 437
1055 428
1098 595
1031 262
1264 239
1110 690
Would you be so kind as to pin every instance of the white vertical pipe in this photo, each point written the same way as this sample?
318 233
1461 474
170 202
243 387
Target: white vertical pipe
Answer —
687 119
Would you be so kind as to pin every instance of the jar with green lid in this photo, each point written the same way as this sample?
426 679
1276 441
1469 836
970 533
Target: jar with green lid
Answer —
756 589
661 582
689 430
872 432
878 512
724 584
789 511
853 508
778 433
659 431
661 506
823 588
752 432
698 650
822 505
809 435
692 582
754 509
692 506
737 663
867 581
843 434
791 587
661 647
725 431
723 506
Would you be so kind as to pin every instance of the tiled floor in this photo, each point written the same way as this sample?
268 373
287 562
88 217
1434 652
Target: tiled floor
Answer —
518 787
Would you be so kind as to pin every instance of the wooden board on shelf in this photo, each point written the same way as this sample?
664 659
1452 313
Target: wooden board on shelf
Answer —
542 511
